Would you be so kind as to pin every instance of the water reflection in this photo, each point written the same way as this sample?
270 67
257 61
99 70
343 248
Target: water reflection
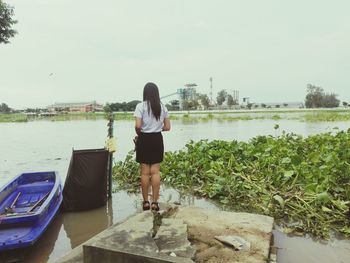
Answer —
43 248
81 226
77 227
172 196
41 251
299 249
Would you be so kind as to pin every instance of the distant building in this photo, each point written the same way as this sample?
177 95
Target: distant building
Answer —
91 106
187 94
290 105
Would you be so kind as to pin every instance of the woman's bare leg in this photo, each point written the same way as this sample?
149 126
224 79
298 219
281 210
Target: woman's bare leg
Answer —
155 181
145 177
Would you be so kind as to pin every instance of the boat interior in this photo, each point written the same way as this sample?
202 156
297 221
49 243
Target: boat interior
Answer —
25 198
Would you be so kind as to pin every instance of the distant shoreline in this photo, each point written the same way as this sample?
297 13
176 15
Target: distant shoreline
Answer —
334 114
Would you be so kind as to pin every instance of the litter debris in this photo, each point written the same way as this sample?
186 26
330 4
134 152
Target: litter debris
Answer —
236 242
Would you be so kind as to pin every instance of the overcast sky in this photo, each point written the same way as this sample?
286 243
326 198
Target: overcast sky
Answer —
106 50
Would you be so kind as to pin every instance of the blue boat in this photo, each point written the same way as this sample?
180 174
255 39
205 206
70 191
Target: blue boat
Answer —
28 204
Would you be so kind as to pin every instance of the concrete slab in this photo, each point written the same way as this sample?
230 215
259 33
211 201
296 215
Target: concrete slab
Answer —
107 254
131 241
141 221
172 238
133 234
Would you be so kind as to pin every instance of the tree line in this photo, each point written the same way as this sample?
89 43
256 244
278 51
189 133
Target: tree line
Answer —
4 108
316 97
198 100
121 106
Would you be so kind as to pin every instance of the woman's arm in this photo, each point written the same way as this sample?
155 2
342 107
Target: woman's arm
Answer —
138 124
166 124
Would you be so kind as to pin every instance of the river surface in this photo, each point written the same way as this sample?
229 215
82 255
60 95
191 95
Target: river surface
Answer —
47 145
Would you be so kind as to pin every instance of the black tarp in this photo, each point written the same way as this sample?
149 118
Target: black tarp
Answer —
86 183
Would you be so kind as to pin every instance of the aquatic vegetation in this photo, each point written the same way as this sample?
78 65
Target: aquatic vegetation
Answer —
304 183
127 174
300 115
240 118
310 115
13 118
326 116
123 116
75 117
276 117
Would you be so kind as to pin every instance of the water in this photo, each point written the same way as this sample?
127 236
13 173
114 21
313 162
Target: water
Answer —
47 145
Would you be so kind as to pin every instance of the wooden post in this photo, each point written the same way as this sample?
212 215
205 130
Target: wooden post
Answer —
110 159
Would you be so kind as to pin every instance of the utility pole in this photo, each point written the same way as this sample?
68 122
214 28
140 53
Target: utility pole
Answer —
110 157
236 96
211 90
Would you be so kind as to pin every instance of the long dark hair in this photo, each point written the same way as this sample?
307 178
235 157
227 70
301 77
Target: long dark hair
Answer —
151 95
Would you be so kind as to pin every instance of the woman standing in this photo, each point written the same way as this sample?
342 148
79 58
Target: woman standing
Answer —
151 118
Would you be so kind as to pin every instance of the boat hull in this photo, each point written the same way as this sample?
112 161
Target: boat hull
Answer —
28 204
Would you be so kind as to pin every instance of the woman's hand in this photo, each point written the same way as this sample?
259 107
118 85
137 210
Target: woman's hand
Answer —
166 124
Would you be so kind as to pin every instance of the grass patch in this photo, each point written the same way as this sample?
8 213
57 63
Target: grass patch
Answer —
13 118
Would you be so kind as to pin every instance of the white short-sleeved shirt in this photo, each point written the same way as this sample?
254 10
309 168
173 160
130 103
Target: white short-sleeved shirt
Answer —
149 122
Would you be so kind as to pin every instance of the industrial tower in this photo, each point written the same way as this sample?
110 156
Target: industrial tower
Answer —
211 91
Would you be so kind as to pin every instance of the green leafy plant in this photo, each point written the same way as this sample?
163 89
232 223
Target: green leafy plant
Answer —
304 183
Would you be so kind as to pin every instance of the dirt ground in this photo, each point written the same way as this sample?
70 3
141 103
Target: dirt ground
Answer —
209 250
204 224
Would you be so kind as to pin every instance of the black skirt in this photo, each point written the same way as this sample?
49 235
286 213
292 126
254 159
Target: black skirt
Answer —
149 148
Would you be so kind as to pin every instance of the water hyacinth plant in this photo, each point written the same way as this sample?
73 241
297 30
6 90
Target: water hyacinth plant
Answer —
304 183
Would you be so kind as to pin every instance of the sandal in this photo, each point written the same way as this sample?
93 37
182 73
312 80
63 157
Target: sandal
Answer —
155 206
145 205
